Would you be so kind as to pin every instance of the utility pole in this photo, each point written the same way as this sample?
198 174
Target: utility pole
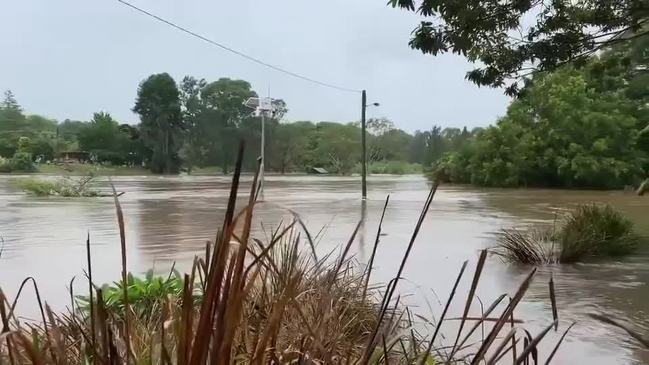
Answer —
364 147
263 155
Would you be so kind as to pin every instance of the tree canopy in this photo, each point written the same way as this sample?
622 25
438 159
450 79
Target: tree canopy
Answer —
158 105
511 39
570 128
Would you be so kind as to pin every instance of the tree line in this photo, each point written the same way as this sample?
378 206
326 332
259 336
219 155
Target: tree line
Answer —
584 125
195 123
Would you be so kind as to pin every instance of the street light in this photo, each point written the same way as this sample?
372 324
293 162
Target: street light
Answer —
262 105
364 144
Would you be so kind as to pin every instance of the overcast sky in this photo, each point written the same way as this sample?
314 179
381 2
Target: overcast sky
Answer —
70 58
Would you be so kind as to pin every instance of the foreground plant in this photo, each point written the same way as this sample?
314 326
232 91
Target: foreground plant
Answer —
273 302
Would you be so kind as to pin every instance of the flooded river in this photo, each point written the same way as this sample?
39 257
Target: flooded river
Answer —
168 219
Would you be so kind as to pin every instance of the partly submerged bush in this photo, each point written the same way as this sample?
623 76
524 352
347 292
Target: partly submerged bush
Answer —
587 231
66 187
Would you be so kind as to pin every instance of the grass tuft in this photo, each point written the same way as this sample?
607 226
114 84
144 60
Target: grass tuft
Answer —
590 230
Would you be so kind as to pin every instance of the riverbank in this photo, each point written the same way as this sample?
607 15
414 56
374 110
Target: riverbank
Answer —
76 169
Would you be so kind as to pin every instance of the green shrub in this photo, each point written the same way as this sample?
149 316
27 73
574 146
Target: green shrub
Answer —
66 187
602 228
4 165
38 187
21 162
145 295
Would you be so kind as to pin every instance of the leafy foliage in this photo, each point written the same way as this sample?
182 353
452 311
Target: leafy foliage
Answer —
158 104
570 128
514 38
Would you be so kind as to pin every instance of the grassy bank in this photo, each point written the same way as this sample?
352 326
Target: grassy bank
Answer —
256 302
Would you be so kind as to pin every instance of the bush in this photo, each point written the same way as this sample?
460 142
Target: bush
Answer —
4 165
21 162
590 230
38 187
67 187
605 230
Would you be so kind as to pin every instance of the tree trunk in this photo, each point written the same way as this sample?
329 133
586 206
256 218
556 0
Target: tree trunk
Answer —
167 157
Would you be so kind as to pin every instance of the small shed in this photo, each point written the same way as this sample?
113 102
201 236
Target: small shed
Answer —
319 171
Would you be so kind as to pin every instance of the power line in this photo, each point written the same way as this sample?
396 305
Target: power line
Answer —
238 53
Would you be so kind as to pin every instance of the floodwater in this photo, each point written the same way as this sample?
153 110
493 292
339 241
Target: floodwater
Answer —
169 219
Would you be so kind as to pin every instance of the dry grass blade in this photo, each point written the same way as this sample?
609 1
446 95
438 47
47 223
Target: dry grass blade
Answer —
469 300
5 327
503 318
441 318
553 300
215 277
185 325
390 292
90 293
643 341
498 353
531 347
343 257
480 320
376 245
122 240
234 307
556 347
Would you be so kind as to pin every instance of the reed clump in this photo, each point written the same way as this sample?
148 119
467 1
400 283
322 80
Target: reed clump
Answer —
590 230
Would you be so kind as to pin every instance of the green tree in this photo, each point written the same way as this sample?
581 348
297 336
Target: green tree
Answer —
291 146
158 105
499 36
12 124
562 132
338 146
9 102
193 110
106 140
224 112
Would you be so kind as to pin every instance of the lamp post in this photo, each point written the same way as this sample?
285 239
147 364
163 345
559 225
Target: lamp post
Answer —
364 106
262 105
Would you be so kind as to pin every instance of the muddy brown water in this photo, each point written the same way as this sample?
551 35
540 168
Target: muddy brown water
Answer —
168 219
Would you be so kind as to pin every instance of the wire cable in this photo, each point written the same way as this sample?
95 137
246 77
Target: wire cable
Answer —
238 53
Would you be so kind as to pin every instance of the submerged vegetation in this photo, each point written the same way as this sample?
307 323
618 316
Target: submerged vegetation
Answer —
278 301
591 230
68 187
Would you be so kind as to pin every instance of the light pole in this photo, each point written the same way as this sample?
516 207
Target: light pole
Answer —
364 106
262 105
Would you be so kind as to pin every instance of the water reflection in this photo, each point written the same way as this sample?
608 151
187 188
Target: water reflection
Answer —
168 219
